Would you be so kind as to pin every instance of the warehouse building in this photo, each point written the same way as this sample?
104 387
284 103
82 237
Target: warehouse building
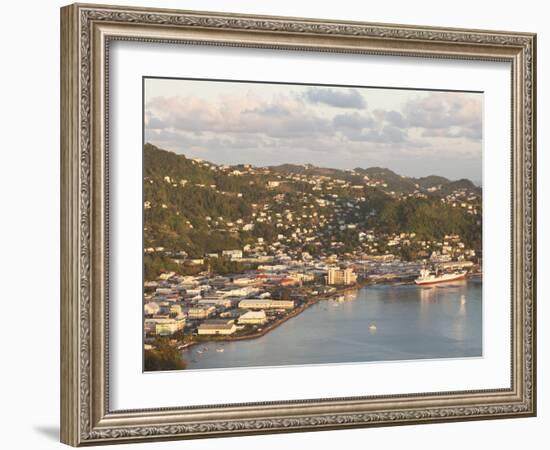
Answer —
253 318
217 327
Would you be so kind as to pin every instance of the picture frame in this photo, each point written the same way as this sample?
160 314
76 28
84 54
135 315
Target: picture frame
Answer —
87 32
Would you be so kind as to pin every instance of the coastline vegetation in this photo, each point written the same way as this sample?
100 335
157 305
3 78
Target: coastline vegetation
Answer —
164 356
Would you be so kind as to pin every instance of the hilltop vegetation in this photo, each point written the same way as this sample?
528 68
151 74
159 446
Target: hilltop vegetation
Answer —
196 207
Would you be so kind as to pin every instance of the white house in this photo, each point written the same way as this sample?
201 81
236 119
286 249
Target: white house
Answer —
253 318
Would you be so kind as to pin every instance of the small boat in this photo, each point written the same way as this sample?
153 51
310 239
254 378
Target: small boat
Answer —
372 327
220 350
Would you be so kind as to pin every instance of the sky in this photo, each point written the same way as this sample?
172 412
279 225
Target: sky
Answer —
412 132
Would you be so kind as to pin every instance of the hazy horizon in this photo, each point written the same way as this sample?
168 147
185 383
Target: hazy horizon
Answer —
415 133
476 182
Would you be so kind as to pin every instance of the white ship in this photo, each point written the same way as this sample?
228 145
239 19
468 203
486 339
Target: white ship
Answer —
426 277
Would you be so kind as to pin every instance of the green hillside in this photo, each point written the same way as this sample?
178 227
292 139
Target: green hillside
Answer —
198 207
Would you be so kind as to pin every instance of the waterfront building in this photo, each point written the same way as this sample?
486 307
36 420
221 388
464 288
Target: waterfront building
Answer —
266 303
217 326
253 318
452 265
337 276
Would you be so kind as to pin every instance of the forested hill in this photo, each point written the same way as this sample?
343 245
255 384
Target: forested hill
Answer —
198 207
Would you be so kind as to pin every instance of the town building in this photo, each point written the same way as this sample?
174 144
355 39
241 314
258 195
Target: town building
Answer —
224 302
266 303
201 312
176 309
233 254
151 308
164 326
217 326
253 318
337 276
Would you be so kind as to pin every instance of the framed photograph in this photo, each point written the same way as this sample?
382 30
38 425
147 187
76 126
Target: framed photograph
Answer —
278 224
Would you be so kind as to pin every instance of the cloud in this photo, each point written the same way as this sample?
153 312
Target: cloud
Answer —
451 115
473 133
297 126
353 120
382 127
269 110
283 117
396 119
338 98
387 135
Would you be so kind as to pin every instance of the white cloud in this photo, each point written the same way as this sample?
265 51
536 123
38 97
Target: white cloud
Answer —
310 125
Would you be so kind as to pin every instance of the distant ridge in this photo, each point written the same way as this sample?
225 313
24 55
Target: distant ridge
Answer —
175 162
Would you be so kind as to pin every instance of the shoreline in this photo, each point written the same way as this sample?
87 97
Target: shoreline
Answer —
275 324
310 302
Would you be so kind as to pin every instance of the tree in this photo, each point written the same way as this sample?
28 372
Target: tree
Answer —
164 356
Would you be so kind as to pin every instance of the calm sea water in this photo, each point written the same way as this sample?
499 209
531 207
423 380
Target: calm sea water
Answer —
441 321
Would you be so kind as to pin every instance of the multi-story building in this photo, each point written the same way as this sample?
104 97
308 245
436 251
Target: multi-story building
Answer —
337 276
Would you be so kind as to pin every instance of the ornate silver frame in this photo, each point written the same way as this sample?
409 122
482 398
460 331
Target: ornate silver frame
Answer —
86 31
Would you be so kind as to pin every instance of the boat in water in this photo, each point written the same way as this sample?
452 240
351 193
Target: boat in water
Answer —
427 277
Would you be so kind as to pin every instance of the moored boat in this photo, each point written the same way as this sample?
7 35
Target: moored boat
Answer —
426 277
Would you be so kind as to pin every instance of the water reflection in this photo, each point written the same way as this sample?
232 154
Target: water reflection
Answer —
427 294
376 323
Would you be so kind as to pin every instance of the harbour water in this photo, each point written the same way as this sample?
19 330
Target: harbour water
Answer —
375 323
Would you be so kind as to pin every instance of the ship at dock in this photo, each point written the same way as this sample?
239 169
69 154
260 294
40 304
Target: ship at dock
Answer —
427 277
